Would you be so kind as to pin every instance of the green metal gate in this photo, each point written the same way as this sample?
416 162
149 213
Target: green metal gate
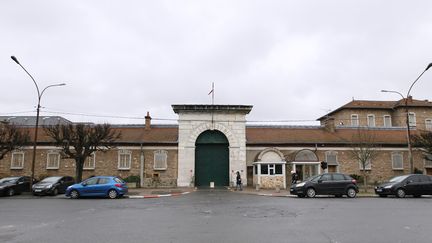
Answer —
211 159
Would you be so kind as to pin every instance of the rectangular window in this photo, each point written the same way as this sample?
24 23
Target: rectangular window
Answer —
271 169
354 120
278 169
124 160
371 120
264 169
427 163
367 165
53 160
17 161
160 160
387 121
412 119
428 124
90 162
397 161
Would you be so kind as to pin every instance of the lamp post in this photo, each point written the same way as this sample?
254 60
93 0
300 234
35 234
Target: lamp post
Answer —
408 129
37 116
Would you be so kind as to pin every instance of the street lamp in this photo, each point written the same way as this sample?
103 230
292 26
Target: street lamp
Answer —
37 116
410 158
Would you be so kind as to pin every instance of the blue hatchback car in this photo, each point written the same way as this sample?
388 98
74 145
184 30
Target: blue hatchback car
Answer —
98 186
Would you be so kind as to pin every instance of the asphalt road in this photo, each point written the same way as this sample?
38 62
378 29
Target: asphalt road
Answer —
219 216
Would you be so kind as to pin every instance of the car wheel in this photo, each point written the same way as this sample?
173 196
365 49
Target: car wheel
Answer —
74 194
54 192
351 193
382 195
11 192
310 192
400 193
112 194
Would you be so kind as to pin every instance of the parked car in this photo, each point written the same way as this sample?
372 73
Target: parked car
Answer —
400 186
326 184
98 186
10 186
52 185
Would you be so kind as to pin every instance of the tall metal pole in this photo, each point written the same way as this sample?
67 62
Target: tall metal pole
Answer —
37 117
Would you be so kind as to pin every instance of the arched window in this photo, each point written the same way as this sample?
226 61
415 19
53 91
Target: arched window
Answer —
306 155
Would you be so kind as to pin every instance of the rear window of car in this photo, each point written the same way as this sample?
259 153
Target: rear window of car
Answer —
118 180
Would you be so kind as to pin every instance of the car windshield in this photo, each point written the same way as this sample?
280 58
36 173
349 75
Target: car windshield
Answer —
51 179
313 178
8 179
398 178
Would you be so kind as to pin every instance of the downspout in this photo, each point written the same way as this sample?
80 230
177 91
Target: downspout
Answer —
142 167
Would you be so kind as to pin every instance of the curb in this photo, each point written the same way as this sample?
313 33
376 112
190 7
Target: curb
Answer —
157 196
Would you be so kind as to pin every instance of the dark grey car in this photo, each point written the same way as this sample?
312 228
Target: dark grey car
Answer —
326 184
400 186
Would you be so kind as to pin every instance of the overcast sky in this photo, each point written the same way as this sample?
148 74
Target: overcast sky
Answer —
291 60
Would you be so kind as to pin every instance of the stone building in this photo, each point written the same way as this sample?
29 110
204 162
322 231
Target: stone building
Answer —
211 143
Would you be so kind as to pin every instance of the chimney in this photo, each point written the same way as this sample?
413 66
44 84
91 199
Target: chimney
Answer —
147 121
410 99
329 124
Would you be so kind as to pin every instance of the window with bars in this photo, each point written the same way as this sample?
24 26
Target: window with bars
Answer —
387 121
53 160
124 159
397 161
354 120
17 161
160 160
90 162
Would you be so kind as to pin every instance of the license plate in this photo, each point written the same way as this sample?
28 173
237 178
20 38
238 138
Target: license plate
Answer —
38 190
379 190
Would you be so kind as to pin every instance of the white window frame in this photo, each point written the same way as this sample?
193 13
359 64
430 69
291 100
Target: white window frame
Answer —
412 119
56 163
428 124
389 119
393 158
368 165
21 163
160 160
328 153
371 120
355 120
90 162
128 155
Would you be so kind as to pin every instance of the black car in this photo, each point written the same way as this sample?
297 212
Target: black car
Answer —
52 185
10 186
326 184
400 186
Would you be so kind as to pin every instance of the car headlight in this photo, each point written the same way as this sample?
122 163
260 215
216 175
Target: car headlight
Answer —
48 186
388 187
301 184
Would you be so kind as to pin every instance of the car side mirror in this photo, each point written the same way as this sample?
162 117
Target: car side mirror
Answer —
408 182
20 182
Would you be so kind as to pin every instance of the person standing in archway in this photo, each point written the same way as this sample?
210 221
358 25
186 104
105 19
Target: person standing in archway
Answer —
239 182
294 177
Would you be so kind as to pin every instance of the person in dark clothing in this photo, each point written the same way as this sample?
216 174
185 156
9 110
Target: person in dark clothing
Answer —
294 177
238 182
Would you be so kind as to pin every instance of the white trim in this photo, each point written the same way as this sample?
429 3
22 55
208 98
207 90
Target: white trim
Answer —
270 162
384 119
428 124
160 153
393 162
21 162
413 122
355 117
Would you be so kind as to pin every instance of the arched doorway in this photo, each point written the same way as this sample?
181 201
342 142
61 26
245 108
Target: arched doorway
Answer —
211 159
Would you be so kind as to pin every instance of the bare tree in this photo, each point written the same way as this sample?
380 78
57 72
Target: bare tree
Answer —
364 150
11 138
424 141
79 141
